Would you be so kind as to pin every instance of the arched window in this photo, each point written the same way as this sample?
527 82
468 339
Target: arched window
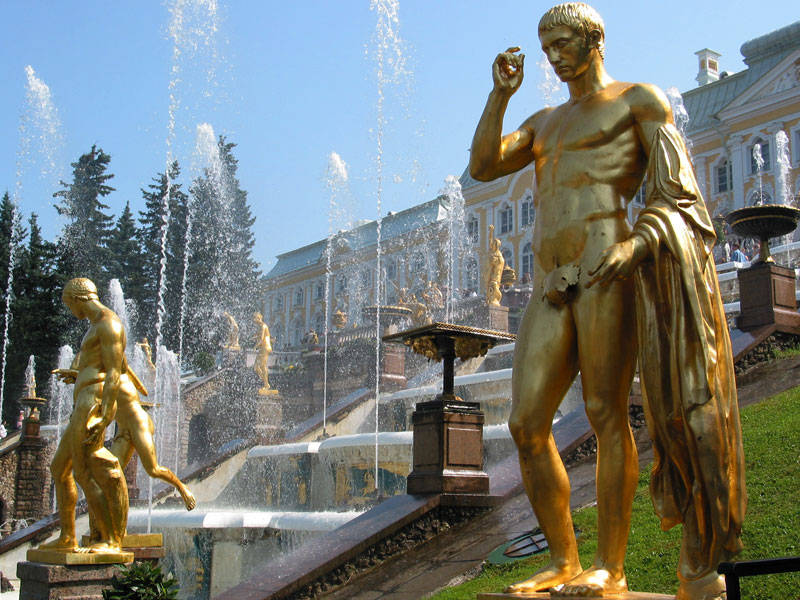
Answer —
319 322
764 145
276 333
527 261
506 219
296 333
722 174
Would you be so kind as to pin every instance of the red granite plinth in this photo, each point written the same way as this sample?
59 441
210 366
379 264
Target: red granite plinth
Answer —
448 449
393 372
63 582
767 296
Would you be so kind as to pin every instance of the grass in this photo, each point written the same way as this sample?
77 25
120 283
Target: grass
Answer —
771 431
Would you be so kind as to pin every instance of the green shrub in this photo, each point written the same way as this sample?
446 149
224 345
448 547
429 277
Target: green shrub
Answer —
203 362
141 581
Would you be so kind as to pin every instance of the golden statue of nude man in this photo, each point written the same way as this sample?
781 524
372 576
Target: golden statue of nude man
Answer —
105 390
599 286
97 375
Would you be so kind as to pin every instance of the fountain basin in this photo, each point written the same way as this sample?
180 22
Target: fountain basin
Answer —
764 222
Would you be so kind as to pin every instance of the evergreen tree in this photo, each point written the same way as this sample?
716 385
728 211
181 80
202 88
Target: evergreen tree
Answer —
84 239
126 259
150 238
38 319
222 273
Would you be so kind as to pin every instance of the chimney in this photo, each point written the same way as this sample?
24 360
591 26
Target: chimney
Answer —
709 66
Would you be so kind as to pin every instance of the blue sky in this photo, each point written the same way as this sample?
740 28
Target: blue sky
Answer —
291 82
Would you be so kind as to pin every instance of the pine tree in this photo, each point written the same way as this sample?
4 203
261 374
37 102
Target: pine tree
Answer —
38 318
12 237
84 239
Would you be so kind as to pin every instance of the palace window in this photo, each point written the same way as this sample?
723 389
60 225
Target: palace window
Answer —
391 269
796 145
508 255
471 279
723 172
527 260
641 194
319 323
366 277
526 211
472 230
320 290
506 219
341 284
418 264
278 302
298 297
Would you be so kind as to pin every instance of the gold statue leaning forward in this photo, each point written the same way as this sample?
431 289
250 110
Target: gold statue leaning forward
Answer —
494 269
105 389
263 350
601 285
97 373
233 333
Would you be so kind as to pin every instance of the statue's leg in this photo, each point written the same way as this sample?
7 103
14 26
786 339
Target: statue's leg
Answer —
106 471
607 350
545 364
66 494
140 427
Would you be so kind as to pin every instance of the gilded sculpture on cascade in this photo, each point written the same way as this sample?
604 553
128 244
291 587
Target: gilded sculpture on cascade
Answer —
105 389
263 350
599 286
233 333
494 269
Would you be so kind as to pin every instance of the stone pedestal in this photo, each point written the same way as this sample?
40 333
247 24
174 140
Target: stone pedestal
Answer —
131 476
269 416
58 582
767 296
33 474
393 368
491 316
448 448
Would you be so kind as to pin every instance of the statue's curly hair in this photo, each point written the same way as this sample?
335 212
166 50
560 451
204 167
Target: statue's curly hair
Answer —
80 288
579 17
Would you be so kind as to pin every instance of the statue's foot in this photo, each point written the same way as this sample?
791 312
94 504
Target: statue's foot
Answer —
99 547
66 544
188 498
710 587
544 579
595 581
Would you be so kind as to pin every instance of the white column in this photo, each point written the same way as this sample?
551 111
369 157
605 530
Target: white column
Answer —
738 165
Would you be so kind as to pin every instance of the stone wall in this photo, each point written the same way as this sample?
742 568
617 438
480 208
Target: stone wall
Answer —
8 483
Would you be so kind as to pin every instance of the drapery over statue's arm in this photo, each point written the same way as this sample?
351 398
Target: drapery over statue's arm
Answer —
686 365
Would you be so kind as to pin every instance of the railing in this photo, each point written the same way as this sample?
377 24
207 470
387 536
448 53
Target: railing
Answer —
746 568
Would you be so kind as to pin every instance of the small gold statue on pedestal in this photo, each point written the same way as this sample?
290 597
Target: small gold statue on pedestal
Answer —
233 333
494 269
263 350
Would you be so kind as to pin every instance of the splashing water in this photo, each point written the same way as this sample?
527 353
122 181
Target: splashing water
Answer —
457 239
117 303
30 377
759 159
390 67
45 124
784 164
336 180
550 86
12 263
680 115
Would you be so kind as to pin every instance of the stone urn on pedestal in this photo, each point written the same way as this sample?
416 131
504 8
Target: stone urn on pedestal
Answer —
767 294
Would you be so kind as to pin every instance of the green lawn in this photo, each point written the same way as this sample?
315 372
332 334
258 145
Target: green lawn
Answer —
771 432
